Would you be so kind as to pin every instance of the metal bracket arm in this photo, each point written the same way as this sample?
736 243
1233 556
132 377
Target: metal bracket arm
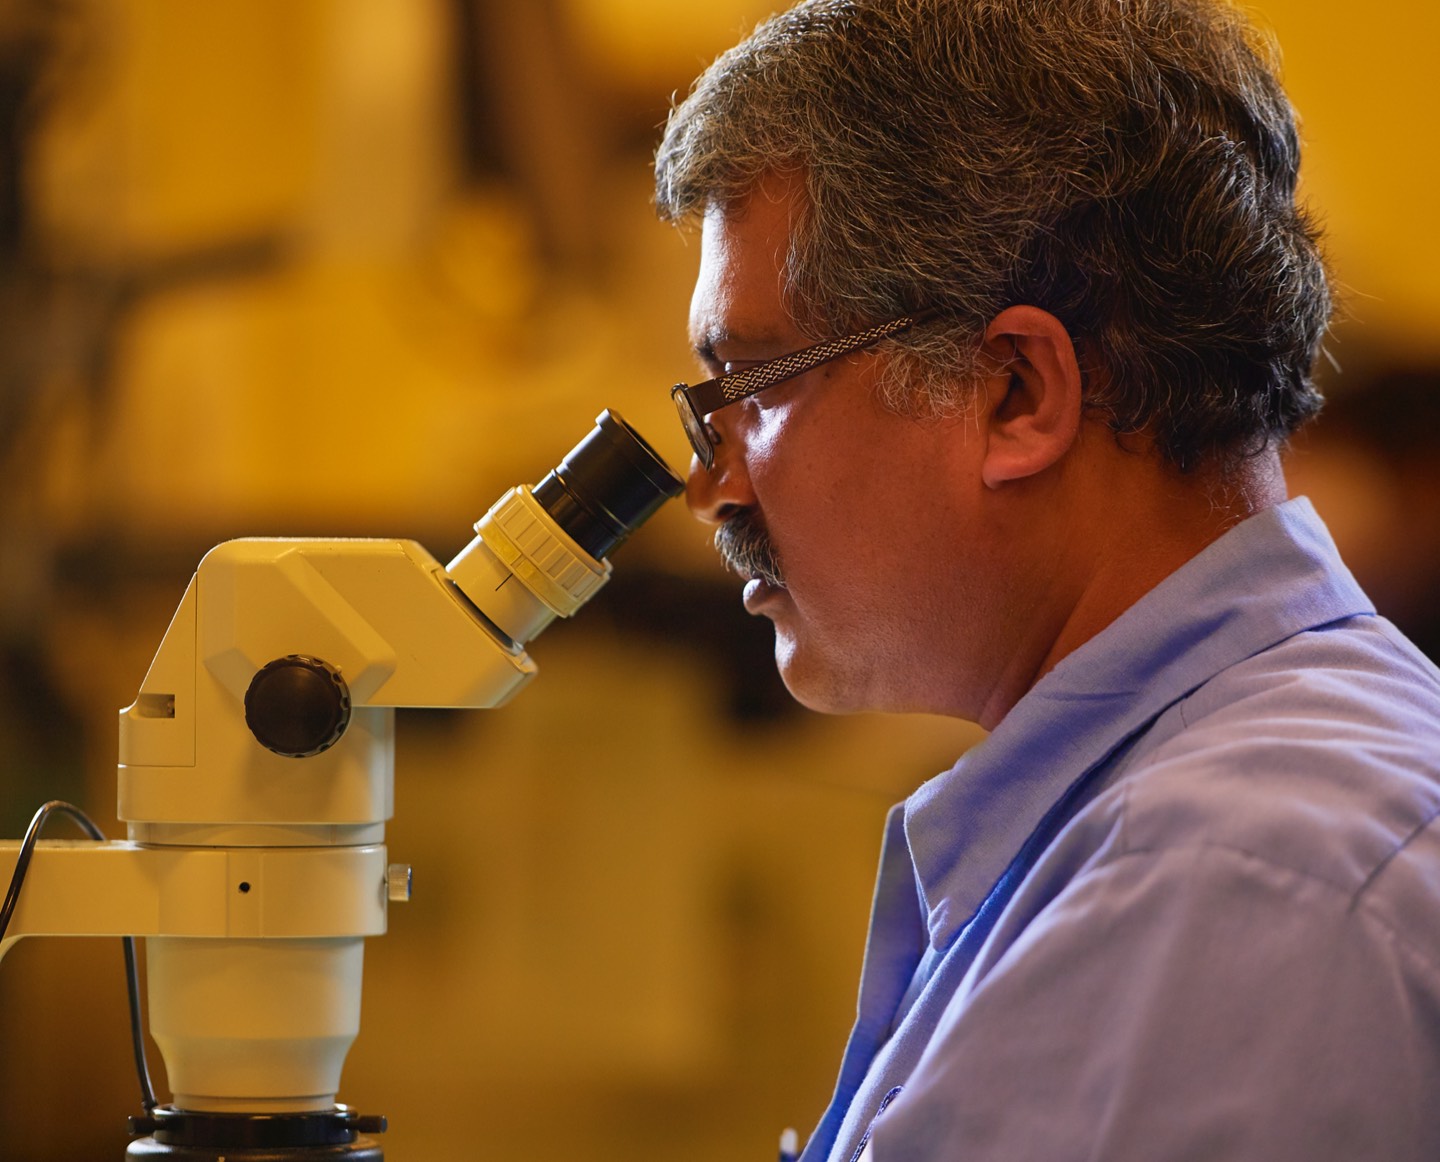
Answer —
83 888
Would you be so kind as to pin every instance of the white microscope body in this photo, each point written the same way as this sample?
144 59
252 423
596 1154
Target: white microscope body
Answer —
256 774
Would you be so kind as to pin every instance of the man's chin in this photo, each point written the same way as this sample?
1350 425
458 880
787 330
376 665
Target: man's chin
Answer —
815 685
814 677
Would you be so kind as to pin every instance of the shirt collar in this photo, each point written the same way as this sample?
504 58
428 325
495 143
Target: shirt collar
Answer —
1270 577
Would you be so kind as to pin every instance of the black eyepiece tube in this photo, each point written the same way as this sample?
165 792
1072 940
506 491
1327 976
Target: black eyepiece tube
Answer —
607 486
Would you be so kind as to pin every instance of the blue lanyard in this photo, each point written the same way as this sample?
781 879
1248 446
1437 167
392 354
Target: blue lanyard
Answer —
978 930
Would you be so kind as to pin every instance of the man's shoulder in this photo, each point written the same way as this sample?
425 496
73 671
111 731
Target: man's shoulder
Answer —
1320 754
1350 696
1359 672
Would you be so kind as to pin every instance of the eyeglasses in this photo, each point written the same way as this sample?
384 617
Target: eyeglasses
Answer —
695 403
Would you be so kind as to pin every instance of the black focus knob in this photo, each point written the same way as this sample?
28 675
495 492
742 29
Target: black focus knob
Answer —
297 706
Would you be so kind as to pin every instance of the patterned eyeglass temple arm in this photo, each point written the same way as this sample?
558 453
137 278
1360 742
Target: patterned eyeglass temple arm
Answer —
715 393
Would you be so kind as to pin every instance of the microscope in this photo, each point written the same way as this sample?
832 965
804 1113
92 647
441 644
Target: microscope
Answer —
256 775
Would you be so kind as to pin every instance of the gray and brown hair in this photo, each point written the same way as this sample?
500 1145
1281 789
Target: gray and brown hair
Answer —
1127 165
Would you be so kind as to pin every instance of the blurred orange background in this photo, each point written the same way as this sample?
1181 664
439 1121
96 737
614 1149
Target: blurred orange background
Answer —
353 267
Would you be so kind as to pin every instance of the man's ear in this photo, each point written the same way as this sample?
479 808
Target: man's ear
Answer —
1033 413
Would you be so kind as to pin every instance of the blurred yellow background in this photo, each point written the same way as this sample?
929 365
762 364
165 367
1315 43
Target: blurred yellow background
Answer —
353 267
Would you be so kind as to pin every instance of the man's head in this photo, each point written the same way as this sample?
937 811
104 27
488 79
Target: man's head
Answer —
1127 165
1097 196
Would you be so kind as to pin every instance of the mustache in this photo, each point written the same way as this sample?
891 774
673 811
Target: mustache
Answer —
746 548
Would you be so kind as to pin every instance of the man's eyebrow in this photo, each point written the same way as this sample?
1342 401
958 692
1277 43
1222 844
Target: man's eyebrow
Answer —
705 344
704 347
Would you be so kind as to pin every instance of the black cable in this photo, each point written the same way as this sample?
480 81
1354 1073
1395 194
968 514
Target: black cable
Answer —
137 1025
27 849
132 970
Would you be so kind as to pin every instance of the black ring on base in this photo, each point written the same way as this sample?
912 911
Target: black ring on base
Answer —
187 1136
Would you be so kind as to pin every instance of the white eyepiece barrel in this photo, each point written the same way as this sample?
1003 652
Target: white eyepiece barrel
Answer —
540 552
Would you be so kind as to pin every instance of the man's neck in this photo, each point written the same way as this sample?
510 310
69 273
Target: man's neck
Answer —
1133 533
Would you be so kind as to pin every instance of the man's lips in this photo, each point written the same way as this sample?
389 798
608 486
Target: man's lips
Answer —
759 593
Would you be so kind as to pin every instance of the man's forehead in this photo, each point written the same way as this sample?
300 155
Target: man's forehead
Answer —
744 256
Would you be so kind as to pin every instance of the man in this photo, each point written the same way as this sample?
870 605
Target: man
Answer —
1184 901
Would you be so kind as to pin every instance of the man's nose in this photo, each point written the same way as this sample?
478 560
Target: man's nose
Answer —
714 496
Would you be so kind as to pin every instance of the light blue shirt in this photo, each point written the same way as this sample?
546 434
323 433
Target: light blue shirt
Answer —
1224 944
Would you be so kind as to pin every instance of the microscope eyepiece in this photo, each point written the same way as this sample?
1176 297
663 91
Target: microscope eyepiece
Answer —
607 486
553 539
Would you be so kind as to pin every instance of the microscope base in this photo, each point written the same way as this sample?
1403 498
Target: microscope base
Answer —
148 1150
184 1136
